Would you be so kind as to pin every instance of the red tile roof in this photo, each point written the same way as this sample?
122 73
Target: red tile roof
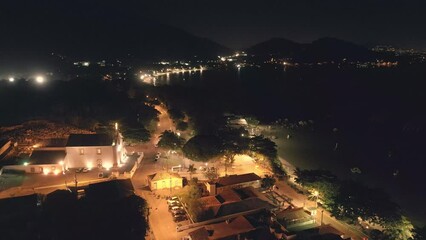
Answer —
229 228
237 179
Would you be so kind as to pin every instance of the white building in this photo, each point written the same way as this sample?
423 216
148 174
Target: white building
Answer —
93 151
46 161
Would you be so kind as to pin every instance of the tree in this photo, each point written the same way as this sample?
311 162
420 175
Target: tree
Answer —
401 229
182 126
136 135
268 182
191 170
268 148
202 148
190 195
176 114
211 174
170 140
229 159
355 200
234 141
324 183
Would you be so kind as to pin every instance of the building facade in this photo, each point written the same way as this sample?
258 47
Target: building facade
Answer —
93 151
165 180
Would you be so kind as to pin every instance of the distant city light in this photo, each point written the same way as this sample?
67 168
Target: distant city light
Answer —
11 79
26 163
39 79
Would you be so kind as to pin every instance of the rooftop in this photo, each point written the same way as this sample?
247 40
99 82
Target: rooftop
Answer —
232 201
43 156
163 175
77 140
110 190
237 179
227 229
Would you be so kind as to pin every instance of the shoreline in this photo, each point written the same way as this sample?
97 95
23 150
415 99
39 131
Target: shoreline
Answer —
310 151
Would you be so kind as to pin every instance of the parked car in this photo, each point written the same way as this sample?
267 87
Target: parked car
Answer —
178 212
174 208
179 218
81 170
174 205
171 201
172 198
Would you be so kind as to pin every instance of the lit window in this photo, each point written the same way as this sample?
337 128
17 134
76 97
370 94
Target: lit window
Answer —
81 151
99 151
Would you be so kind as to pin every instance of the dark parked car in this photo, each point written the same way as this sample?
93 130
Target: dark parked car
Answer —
178 212
180 218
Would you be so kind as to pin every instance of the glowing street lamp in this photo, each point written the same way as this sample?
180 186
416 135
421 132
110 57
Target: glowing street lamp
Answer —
40 79
11 79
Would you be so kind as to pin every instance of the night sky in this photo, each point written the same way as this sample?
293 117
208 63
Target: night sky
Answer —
239 24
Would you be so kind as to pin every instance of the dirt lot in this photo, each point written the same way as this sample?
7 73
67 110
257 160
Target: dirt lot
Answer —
36 134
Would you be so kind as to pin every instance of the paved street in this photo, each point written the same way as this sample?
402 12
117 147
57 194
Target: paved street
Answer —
160 219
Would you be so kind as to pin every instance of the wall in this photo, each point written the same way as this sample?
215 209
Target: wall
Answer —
5 147
90 157
39 168
254 184
165 184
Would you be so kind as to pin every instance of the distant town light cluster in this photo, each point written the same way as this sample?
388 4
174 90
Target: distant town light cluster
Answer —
38 79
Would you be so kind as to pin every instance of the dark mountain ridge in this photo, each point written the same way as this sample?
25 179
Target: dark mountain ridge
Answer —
323 49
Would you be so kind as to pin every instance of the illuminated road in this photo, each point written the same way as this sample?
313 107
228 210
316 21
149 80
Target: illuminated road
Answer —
160 219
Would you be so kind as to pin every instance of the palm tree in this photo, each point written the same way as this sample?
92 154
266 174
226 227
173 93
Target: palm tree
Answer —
191 170
268 182
314 195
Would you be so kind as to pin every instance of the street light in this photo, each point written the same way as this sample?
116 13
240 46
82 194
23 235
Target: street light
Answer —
11 79
40 79
316 194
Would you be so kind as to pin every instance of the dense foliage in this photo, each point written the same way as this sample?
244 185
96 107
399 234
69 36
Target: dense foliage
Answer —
62 217
170 140
202 148
349 201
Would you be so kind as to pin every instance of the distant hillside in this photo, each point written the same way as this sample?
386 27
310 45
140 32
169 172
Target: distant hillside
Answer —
71 28
324 49
276 46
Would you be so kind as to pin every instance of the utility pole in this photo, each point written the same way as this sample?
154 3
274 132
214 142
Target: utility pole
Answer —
75 181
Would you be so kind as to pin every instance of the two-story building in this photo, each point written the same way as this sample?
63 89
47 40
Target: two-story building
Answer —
93 151
233 181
